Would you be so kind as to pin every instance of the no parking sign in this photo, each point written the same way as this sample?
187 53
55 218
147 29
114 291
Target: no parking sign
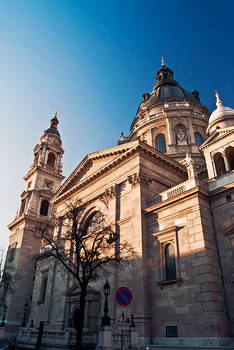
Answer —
123 296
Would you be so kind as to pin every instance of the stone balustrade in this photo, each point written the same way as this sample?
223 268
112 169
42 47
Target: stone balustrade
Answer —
172 192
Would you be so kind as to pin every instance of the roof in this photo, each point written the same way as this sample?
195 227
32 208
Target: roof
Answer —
167 88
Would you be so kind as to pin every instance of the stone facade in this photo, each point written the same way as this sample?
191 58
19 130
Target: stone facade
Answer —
171 203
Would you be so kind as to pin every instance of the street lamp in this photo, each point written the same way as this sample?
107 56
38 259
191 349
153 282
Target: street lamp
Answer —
3 316
132 323
106 291
23 324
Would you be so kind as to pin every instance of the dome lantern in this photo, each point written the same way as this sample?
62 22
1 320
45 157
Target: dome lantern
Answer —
53 129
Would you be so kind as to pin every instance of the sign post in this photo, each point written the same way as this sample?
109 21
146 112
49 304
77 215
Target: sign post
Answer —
123 297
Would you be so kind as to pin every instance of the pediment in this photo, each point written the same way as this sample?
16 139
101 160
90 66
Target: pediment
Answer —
98 164
216 136
92 164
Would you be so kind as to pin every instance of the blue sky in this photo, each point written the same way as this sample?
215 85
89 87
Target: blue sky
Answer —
93 60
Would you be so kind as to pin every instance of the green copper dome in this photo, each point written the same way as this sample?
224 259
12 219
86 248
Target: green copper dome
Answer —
166 88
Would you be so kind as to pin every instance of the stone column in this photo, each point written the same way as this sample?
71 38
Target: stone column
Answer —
213 166
226 163
57 161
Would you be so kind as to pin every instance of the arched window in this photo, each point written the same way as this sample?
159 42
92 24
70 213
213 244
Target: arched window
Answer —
94 223
219 164
170 262
230 157
44 207
160 143
198 139
51 160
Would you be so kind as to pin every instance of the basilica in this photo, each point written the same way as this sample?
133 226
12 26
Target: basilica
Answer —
167 189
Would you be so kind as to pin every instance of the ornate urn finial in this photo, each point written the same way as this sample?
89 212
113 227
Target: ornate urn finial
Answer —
219 103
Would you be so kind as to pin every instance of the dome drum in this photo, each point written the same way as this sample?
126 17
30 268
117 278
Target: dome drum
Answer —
173 112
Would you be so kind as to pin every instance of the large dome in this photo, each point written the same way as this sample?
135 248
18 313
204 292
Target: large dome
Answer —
166 88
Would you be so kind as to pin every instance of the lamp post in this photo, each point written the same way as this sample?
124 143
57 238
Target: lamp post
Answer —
3 316
106 291
23 324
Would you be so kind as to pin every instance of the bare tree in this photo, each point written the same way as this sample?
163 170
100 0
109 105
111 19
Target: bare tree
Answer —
2 260
6 277
83 249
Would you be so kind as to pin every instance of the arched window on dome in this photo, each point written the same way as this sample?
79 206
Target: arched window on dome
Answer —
51 160
44 207
198 139
170 262
160 143
219 164
230 157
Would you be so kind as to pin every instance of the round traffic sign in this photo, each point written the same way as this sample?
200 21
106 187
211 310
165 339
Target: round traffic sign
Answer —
123 296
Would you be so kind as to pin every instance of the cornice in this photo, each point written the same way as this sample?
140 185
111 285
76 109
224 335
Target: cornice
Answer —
27 218
44 171
166 230
124 220
16 222
93 177
216 137
161 107
147 123
88 160
139 148
180 197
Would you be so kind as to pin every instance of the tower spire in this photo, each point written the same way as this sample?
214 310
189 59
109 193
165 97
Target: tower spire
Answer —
54 121
219 103
163 64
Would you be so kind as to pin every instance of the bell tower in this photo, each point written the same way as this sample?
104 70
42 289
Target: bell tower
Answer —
45 174
41 182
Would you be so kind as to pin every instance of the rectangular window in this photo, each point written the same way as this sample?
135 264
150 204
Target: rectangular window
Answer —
12 252
171 331
43 288
169 253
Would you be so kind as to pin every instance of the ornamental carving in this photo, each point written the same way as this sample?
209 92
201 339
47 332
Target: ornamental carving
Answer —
49 184
108 194
181 136
137 178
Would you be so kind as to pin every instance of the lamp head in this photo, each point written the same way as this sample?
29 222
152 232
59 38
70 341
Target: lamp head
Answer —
106 288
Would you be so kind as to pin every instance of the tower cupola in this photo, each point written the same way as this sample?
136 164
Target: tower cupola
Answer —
53 129
222 117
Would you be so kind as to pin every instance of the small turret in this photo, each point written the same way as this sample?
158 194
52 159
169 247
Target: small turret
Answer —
222 117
